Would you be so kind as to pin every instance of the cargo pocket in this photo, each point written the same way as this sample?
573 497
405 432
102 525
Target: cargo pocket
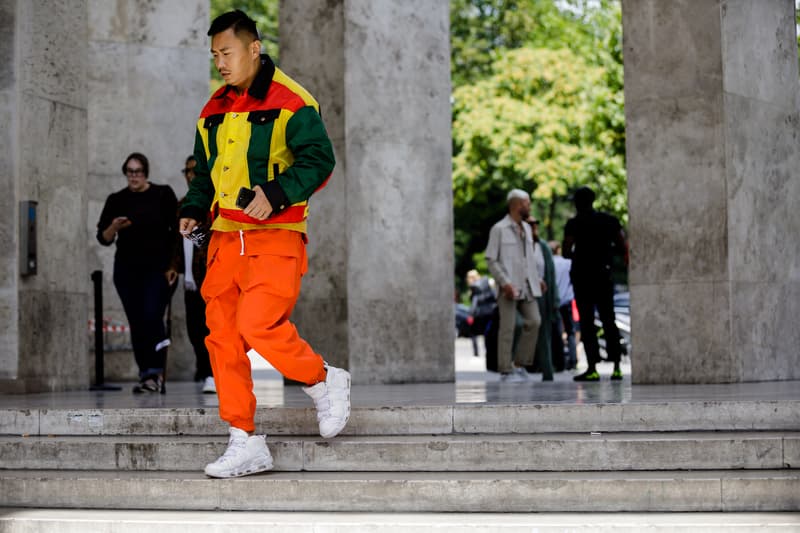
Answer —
275 274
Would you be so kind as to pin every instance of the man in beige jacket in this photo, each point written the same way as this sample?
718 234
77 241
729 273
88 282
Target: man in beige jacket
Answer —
511 261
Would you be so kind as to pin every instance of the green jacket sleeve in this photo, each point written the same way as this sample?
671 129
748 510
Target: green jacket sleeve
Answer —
201 190
313 160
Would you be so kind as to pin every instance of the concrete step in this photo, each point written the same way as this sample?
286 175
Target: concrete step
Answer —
49 520
519 492
537 452
747 415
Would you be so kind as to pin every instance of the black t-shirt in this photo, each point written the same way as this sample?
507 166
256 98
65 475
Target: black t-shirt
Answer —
150 239
595 235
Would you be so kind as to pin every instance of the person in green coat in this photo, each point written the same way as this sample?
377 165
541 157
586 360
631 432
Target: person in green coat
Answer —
548 304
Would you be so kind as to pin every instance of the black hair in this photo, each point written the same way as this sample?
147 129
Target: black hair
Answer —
141 159
584 198
191 158
237 20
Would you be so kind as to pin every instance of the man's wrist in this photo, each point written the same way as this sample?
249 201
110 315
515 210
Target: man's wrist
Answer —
275 196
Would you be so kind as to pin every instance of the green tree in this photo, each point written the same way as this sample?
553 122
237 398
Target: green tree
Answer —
537 104
264 12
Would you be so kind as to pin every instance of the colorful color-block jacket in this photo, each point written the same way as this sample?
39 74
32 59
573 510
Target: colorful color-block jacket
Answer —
272 136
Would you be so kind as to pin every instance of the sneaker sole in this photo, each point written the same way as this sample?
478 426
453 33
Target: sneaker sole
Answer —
245 471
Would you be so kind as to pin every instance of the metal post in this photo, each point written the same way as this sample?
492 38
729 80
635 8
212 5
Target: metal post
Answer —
99 353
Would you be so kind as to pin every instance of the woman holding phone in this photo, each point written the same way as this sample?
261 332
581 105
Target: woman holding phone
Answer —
141 220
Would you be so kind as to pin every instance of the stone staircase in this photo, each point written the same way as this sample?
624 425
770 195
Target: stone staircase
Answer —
634 457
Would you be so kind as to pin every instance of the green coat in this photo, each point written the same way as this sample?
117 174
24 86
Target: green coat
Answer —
548 310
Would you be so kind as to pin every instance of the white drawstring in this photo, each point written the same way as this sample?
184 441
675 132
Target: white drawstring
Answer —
241 238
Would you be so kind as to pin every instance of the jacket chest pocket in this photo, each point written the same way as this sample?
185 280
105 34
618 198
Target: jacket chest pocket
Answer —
262 118
212 121
262 124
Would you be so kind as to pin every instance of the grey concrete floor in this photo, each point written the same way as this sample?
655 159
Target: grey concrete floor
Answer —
473 385
35 520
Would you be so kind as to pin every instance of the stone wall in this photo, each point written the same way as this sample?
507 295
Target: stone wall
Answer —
43 103
148 79
711 103
379 296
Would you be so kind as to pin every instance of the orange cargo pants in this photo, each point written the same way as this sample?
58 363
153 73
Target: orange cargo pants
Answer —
250 289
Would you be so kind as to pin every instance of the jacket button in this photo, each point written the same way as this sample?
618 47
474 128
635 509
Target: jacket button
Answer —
234 115
230 141
222 195
225 169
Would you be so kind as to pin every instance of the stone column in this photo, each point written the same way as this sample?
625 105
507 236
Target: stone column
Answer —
379 295
711 102
43 112
148 81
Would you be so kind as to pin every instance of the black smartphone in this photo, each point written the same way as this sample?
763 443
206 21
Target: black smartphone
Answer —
245 197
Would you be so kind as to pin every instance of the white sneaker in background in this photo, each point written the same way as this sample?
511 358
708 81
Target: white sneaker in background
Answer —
522 372
332 400
245 455
512 377
209 387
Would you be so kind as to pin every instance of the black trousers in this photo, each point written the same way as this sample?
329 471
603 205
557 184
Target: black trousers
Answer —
145 295
591 294
198 331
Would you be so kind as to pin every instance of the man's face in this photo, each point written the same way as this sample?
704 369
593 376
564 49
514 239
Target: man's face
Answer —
524 208
134 171
188 171
235 58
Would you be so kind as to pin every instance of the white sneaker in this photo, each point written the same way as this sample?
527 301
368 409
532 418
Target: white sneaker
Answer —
209 387
512 377
245 455
332 400
522 372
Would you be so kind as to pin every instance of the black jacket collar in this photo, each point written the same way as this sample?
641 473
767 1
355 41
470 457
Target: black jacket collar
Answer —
262 81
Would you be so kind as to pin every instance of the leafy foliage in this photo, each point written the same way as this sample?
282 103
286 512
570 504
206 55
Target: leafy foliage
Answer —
538 105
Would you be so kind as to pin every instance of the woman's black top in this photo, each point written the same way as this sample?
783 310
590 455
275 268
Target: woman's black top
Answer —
149 241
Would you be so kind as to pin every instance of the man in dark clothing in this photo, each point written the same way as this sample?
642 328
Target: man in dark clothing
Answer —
191 262
591 239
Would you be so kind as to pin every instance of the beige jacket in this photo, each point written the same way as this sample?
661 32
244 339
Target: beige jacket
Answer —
512 260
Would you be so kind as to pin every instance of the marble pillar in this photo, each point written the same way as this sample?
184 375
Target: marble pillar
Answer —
711 104
148 80
43 157
378 298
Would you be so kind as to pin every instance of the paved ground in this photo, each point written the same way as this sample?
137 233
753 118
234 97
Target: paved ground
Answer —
473 385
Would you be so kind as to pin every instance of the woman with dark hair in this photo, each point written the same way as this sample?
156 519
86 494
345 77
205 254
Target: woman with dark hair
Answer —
141 220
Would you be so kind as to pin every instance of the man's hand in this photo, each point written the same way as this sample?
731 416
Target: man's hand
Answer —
543 285
186 225
259 208
509 291
171 275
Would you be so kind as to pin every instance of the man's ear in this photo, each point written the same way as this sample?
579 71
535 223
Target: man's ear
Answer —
255 48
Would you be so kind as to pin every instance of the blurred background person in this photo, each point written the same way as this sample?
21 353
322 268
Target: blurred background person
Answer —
591 239
547 302
509 254
483 304
564 357
140 219
191 262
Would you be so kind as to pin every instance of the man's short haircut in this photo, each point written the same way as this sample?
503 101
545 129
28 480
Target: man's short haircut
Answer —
191 158
238 21
584 198
517 194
